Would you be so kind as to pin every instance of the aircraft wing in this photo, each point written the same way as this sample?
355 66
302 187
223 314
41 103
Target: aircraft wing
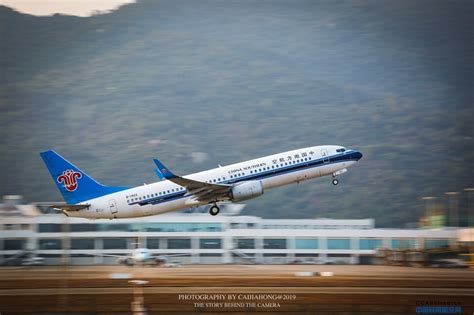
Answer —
107 255
200 190
166 256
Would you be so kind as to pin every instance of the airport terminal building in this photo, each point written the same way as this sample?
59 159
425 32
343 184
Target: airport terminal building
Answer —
223 239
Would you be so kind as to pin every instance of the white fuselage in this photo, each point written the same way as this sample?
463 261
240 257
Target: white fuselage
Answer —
273 171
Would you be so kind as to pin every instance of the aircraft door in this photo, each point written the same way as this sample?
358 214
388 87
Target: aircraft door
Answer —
324 155
113 206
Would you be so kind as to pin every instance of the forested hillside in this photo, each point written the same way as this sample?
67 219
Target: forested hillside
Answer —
197 83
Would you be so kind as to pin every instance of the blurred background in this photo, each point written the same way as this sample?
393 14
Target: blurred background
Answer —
201 83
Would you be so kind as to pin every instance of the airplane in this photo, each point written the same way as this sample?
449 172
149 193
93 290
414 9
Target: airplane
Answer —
86 198
143 256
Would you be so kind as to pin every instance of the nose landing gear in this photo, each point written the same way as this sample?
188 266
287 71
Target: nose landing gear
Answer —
214 210
335 181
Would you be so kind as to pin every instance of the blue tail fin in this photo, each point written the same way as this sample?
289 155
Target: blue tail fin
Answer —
75 185
163 171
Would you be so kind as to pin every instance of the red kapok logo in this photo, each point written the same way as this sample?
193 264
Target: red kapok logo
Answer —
69 178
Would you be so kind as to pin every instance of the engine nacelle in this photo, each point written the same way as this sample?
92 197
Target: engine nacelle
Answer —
247 190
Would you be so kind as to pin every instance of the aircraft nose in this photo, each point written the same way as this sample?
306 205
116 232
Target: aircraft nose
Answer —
357 155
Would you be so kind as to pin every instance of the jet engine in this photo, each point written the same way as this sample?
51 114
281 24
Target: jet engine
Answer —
247 190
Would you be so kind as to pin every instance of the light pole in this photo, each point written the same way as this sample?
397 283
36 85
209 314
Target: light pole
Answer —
65 259
138 303
428 201
453 205
470 205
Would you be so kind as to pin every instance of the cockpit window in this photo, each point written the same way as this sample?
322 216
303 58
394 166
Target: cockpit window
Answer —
341 150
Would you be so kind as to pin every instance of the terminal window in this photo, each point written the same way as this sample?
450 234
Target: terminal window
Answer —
177 227
16 227
402 243
274 243
436 243
49 228
306 243
82 243
83 227
339 243
245 243
50 244
115 227
153 243
14 244
179 243
370 243
210 243
115 243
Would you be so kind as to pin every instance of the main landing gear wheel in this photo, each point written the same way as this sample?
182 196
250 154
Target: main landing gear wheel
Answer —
214 210
335 181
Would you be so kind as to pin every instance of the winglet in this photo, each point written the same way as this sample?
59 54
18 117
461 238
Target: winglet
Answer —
163 170
158 173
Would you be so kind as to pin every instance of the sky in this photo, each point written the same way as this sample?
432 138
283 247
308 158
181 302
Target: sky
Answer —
82 8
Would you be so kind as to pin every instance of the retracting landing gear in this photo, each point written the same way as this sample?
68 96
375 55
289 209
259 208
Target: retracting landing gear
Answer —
335 181
214 210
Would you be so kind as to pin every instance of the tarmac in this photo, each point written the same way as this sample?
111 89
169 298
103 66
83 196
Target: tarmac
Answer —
236 289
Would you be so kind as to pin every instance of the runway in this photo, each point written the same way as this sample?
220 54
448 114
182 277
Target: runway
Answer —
231 289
